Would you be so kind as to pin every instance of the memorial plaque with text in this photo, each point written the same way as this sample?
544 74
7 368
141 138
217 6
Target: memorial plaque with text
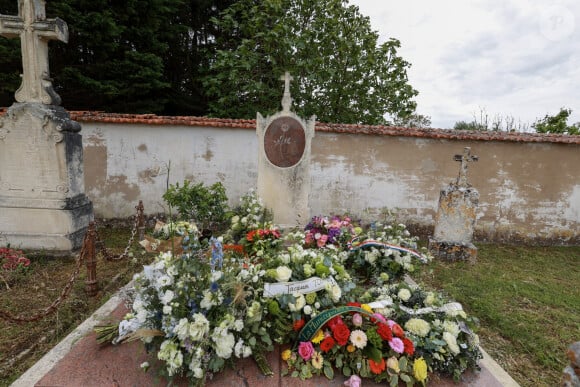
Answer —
284 142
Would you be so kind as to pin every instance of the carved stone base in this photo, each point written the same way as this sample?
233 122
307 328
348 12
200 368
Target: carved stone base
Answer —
450 251
58 231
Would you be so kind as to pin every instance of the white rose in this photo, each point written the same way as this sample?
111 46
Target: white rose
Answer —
283 273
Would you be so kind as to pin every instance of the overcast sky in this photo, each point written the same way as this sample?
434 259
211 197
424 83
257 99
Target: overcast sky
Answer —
511 57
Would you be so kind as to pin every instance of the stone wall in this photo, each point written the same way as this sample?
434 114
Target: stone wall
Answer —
529 184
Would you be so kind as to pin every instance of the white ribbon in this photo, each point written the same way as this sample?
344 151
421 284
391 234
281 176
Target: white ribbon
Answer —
309 285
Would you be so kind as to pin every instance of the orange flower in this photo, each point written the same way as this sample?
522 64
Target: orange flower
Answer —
377 368
350 348
397 330
298 324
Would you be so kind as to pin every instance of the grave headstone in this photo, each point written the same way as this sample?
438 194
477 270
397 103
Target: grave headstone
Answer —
284 162
455 219
42 200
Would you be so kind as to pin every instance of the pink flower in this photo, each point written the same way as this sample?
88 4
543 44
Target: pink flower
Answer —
322 241
353 381
380 317
397 345
306 350
390 323
357 320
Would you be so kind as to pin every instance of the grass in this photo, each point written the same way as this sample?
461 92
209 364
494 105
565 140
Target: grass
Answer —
528 302
527 299
22 345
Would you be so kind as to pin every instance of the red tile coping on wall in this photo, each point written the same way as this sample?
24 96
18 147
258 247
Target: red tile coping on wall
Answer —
378 130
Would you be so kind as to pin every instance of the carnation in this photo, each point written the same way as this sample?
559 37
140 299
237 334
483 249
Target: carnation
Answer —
418 327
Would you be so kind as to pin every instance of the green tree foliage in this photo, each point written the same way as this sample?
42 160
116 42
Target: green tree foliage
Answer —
124 56
557 123
413 121
473 125
341 73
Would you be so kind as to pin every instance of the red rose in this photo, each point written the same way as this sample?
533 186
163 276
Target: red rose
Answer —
357 304
377 368
397 330
341 334
384 331
334 322
409 346
327 344
298 324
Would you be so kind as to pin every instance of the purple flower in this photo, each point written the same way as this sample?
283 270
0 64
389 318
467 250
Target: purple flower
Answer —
397 345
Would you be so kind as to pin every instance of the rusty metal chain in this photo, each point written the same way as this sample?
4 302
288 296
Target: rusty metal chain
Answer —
63 294
137 225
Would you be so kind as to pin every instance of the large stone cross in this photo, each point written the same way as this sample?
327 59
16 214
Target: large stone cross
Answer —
286 98
34 30
464 158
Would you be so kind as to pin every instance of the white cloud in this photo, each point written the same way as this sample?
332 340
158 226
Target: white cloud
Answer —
511 57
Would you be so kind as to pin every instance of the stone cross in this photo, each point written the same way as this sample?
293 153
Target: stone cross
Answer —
34 30
286 98
465 158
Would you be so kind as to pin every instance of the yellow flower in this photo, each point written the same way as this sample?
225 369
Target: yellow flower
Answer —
318 337
286 354
420 370
350 348
367 308
317 360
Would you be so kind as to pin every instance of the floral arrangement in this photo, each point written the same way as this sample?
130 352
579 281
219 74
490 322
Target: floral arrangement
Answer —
204 308
259 242
386 252
336 230
197 319
249 215
441 330
357 342
172 229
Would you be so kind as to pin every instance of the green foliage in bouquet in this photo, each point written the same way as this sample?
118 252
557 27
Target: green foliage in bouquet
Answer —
249 215
207 206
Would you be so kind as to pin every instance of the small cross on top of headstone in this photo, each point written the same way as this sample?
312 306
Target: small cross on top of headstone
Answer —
286 98
465 158
34 30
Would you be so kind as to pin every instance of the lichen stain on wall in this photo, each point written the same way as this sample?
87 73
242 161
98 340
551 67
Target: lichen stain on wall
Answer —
208 155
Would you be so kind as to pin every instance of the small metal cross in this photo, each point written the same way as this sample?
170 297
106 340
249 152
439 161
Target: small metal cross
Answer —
286 98
465 158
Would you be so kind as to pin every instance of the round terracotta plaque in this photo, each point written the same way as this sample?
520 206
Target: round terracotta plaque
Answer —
284 142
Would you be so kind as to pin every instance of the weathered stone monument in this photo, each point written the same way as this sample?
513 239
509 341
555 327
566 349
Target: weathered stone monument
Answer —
42 200
284 162
455 219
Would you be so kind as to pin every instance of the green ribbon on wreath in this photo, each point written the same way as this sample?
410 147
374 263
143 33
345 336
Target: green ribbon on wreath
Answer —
312 326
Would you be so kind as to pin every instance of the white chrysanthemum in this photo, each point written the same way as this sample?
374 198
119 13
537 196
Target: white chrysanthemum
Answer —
451 342
224 344
307 310
451 327
238 325
404 294
215 275
198 327
182 329
418 327
167 309
167 297
308 270
170 353
283 273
